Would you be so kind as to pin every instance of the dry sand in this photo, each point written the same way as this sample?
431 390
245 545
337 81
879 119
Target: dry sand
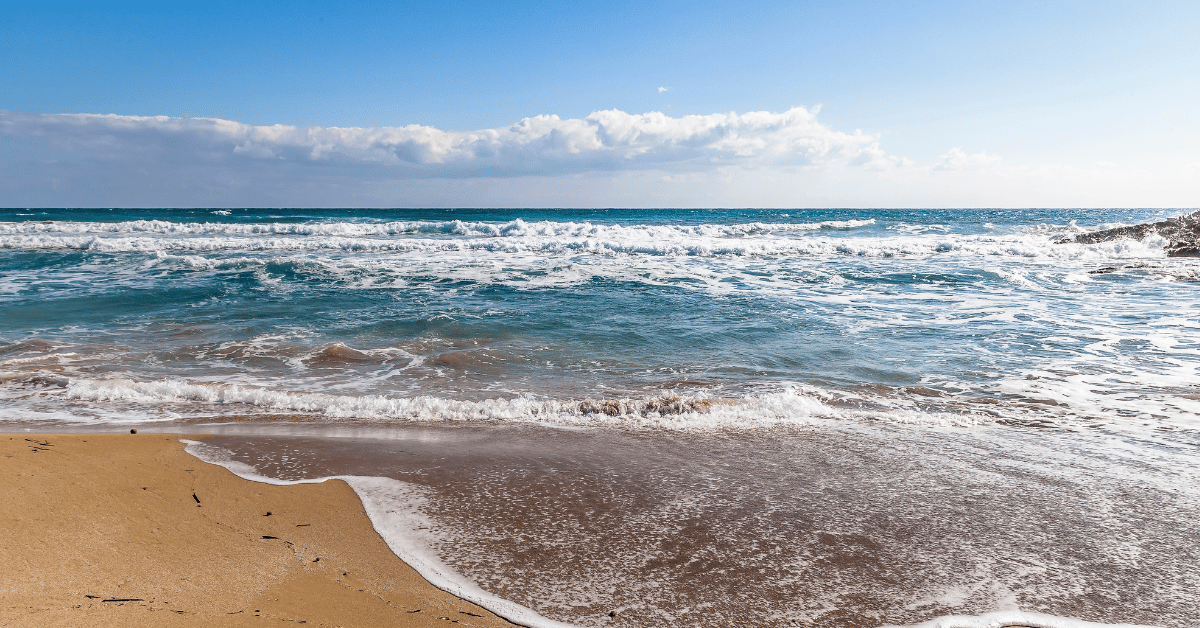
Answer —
129 530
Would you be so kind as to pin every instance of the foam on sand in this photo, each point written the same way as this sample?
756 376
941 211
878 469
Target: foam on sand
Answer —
1001 619
129 530
394 509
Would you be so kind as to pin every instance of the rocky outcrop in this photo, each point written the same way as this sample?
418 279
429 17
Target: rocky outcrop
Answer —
1182 234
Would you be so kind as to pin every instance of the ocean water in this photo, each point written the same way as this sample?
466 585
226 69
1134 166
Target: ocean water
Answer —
663 417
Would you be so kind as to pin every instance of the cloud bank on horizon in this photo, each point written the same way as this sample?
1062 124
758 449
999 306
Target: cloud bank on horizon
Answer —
544 144
609 158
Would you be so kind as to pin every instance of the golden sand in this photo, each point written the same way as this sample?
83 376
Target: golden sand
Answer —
129 530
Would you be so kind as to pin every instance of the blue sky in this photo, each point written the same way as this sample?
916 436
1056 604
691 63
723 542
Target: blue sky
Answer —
1041 100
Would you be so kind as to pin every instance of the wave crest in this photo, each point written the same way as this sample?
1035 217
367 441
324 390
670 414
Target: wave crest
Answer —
791 407
518 237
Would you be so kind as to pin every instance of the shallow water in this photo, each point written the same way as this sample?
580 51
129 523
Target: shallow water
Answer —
827 417
833 526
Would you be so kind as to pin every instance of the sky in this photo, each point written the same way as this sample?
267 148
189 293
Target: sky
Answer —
617 104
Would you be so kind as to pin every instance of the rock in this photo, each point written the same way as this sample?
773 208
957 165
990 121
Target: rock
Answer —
1182 234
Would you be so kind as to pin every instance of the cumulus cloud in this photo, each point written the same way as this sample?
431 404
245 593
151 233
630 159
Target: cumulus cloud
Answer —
540 145
607 159
663 89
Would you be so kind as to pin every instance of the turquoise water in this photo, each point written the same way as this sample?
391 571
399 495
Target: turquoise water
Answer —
793 374
929 316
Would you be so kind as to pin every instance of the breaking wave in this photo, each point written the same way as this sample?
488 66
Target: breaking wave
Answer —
825 238
510 229
797 406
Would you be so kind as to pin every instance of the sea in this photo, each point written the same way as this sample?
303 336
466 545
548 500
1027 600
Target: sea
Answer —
649 417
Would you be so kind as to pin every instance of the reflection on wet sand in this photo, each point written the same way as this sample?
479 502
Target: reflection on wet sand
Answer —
846 526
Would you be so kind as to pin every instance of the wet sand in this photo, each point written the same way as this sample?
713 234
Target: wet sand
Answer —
849 526
129 530
841 529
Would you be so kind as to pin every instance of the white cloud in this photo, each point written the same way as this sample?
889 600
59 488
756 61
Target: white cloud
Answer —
663 89
546 144
609 159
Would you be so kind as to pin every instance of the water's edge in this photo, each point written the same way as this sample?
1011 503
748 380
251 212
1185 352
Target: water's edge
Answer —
392 507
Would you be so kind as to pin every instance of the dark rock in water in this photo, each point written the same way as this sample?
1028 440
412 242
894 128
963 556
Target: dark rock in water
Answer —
1182 233
338 353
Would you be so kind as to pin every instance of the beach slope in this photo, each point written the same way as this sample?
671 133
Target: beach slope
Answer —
129 530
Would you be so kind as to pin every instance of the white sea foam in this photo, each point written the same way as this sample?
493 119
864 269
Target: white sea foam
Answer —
795 407
23 415
395 511
646 244
551 238
513 228
1000 619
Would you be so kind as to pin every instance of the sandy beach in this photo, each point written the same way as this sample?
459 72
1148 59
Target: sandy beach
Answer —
129 530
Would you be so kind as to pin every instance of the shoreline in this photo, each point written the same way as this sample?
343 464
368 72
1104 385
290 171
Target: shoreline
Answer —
107 529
